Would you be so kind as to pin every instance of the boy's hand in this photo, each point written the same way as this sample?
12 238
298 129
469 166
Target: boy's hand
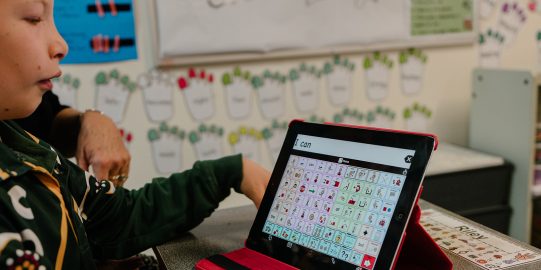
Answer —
254 181
100 145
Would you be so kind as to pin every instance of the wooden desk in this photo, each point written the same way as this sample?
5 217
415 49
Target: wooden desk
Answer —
227 229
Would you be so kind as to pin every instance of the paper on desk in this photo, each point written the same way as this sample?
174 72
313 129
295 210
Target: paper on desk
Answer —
473 243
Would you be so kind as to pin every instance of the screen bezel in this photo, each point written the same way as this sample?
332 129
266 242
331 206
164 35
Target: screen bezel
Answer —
303 257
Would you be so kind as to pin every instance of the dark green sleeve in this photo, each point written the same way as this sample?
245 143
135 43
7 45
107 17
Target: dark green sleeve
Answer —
122 223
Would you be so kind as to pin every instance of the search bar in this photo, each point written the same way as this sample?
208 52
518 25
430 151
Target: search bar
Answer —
385 155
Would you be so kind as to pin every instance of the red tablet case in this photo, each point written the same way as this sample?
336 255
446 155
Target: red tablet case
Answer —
417 250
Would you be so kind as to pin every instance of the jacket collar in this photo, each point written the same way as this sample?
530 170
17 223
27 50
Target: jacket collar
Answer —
18 147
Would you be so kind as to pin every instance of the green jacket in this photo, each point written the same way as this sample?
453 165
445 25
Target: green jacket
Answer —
53 215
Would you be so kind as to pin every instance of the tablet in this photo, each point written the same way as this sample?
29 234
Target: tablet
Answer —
340 197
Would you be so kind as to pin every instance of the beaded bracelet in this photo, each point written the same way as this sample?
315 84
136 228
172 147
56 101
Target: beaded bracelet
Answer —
92 110
81 115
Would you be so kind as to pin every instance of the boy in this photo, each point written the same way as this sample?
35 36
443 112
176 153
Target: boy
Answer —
53 214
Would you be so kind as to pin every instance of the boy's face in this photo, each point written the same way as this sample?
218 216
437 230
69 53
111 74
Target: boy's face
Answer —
30 51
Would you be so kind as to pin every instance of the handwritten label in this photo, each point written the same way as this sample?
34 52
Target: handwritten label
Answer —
429 17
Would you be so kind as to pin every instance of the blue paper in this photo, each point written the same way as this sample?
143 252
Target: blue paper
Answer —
82 24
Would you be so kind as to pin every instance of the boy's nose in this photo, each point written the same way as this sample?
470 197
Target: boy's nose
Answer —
58 48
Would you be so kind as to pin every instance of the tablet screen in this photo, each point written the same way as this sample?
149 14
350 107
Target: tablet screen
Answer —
337 198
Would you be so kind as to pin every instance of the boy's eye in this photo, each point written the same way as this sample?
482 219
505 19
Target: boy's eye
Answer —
33 20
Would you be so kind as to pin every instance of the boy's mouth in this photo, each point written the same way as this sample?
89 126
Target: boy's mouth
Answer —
45 84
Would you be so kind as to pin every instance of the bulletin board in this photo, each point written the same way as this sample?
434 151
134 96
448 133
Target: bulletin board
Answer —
192 32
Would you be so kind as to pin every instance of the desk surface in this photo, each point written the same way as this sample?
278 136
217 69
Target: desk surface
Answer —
453 158
227 229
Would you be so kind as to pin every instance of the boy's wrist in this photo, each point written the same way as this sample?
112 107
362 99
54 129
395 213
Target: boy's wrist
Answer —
88 112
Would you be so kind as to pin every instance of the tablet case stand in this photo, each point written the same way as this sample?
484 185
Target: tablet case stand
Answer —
417 252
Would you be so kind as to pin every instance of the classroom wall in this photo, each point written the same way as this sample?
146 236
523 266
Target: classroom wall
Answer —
445 93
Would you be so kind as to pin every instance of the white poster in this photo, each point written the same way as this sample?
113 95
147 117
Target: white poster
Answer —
208 26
